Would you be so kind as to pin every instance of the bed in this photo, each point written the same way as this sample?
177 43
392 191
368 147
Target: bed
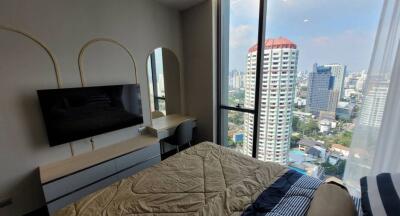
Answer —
206 179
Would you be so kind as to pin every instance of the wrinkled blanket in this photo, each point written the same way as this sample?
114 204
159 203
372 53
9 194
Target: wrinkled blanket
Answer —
206 179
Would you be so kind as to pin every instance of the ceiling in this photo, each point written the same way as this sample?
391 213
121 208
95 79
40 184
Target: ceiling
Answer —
180 4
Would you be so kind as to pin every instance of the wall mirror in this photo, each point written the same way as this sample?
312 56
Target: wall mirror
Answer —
164 83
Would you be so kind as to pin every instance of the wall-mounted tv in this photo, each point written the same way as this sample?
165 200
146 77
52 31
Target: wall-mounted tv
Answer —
75 113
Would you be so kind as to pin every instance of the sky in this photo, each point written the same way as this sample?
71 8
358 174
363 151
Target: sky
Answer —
325 31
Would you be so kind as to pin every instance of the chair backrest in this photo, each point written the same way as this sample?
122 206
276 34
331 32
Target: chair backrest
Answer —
183 133
156 114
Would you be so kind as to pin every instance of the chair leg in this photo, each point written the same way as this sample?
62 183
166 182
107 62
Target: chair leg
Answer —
177 148
190 144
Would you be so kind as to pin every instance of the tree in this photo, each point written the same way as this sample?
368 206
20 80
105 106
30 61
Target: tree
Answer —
334 170
294 140
343 138
311 128
340 168
329 169
231 143
295 123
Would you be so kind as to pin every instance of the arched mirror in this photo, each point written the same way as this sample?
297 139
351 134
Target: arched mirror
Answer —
164 83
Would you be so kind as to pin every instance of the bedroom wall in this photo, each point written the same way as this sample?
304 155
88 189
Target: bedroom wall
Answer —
198 25
64 27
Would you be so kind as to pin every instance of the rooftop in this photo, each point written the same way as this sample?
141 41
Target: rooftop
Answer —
342 147
309 143
275 43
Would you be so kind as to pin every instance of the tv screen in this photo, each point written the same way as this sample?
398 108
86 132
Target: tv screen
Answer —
76 113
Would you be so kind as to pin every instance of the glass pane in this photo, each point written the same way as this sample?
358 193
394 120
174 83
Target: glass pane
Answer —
155 73
367 140
239 33
151 88
158 58
314 72
237 131
161 106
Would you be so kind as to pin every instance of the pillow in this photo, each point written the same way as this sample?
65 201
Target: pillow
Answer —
331 200
380 194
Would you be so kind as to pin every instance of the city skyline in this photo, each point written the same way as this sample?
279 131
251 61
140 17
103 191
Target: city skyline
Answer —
280 88
336 35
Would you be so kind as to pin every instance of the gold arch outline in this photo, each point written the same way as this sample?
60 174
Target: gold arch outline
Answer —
53 59
82 51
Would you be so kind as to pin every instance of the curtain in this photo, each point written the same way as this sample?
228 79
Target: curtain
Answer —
375 144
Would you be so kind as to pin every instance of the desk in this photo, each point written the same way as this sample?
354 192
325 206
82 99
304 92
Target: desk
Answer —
165 126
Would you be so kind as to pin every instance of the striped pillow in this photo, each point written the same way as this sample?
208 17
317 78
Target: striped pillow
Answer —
380 195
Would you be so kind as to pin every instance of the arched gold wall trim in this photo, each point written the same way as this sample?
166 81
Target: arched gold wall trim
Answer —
81 53
55 66
53 59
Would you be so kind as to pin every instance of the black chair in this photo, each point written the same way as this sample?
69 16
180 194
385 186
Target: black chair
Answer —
182 135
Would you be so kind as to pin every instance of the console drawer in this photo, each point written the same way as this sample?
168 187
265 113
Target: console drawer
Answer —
73 197
143 165
78 180
135 157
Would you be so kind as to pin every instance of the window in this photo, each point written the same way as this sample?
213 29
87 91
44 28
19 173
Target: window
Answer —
237 81
316 113
322 81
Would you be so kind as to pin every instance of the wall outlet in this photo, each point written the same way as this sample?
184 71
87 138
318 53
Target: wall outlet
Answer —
5 202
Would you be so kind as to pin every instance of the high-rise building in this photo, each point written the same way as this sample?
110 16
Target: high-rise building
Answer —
338 71
277 94
236 79
361 82
326 88
320 96
374 103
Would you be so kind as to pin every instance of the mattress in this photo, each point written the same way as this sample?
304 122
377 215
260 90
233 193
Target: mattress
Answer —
206 179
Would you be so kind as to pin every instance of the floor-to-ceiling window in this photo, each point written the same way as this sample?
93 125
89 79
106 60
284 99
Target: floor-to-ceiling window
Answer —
240 23
299 103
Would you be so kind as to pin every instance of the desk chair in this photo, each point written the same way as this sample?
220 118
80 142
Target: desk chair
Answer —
182 135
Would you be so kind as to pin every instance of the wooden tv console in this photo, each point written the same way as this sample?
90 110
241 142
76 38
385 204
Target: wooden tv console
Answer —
66 181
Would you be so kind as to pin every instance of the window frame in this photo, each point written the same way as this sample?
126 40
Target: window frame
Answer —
223 55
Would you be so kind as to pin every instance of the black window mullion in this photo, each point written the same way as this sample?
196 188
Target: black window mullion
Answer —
259 66
154 80
222 60
160 98
238 109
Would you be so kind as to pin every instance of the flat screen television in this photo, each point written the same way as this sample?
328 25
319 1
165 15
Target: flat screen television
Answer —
75 113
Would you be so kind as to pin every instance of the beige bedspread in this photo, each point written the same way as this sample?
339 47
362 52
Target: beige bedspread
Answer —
206 179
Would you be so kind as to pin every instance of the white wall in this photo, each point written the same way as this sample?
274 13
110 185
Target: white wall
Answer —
64 27
198 26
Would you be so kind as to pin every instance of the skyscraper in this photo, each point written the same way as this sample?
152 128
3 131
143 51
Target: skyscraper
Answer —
374 102
338 71
236 79
277 94
320 86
